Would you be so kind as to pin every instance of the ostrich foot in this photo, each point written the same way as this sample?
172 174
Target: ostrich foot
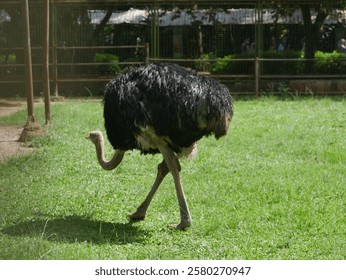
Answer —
185 223
136 216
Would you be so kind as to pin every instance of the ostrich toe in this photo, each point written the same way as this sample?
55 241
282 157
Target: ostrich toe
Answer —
136 216
185 223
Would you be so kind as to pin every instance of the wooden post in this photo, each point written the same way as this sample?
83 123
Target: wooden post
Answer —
32 127
45 61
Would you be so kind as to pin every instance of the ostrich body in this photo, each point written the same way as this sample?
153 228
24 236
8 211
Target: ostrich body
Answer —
162 108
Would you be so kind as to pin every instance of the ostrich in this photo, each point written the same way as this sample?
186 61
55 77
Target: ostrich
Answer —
162 108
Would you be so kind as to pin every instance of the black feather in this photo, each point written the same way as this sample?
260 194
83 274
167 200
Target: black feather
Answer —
177 104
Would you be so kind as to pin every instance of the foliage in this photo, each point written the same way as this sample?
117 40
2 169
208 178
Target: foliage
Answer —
283 66
272 189
111 63
228 64
330 63
222 65
287 62
8 59
204 63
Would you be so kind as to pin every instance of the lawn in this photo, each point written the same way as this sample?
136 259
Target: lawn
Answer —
273 188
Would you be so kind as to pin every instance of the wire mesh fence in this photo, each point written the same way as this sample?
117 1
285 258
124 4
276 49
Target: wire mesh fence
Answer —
251 48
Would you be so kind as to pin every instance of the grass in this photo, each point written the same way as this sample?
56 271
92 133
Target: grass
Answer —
274 188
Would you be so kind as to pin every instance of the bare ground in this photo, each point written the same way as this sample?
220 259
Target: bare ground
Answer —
9 134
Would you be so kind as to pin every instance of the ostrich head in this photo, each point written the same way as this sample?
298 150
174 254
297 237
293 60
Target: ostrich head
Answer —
97 138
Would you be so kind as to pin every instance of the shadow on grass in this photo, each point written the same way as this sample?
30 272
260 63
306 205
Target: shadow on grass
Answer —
77 229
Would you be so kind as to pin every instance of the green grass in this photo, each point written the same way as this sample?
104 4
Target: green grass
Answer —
273 188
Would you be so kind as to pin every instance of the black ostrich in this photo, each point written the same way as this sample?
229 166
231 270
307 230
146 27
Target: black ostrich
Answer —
162 108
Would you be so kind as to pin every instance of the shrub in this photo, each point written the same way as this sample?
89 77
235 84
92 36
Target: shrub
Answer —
330 63
222 65
282 66
245 64
204 64
111 65
325 63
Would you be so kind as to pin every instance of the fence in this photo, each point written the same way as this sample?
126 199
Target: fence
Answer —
248 47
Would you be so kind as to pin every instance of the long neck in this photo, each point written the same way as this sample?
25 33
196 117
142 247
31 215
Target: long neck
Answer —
111 164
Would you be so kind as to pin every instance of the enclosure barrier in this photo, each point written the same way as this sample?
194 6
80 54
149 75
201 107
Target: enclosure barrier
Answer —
256 82
79 60
68 71
260 83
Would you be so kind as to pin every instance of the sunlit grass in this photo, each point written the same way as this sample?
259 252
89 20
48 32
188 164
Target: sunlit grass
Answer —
274 188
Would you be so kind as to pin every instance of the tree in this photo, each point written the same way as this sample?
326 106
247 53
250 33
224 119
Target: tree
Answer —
312 32
313 28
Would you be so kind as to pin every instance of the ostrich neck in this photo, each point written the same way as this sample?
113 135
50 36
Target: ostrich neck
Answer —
105 164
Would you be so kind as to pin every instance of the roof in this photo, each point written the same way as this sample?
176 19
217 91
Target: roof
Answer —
133 16
207 17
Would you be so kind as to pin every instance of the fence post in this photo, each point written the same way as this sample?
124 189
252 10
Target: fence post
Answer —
155 31
32 127
257 75
147 53
27 56
55 71
55 51
45 62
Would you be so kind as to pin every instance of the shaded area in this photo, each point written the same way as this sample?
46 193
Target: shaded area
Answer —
78 229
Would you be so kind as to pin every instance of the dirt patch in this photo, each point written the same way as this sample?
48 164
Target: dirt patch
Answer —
9 107
9 134
9 145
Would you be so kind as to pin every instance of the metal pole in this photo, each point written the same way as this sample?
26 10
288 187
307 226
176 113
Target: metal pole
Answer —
155 34
147 53
257 76
258 45
46 79
55 52
32 127
55 71
27 58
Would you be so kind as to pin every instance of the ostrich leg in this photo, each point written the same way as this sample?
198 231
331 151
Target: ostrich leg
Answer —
162 171
174 166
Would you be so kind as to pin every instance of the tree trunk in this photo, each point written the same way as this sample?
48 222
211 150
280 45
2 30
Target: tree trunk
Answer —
312 34
99 28
309 52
